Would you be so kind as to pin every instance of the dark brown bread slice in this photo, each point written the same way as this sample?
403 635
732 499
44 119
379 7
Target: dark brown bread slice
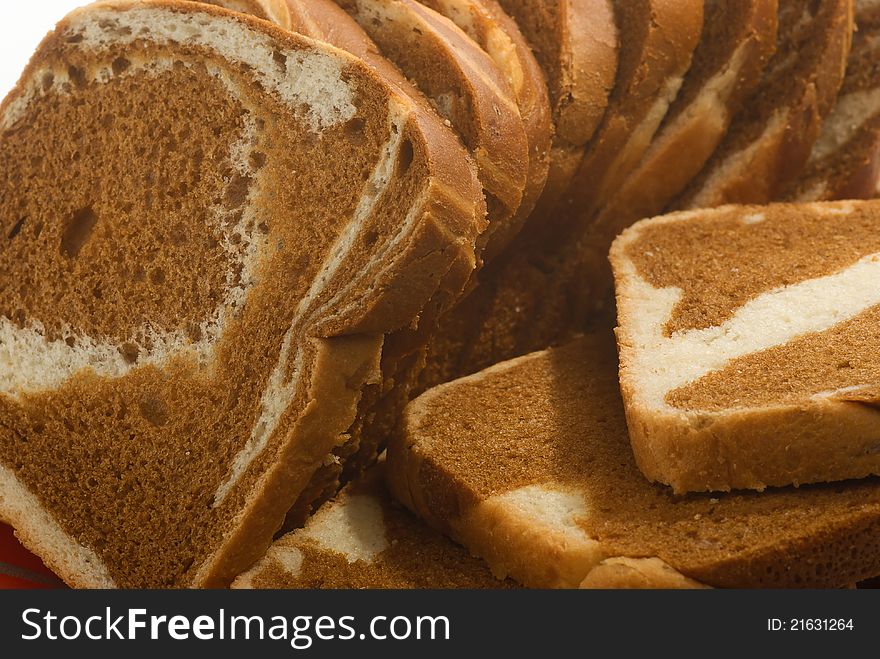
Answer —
528 464
158 419
845 162
576 43
738 40
467 89
658 38
364 539
769 143
498 34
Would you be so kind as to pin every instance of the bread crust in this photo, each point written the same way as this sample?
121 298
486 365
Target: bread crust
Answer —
638 573
498 34
491 126
576 42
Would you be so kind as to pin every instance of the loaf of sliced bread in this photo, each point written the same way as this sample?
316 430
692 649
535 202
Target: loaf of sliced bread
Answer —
363 539
528 464
657 38
769 143
467 89
845 162
737 42
576 44
751 361
159 419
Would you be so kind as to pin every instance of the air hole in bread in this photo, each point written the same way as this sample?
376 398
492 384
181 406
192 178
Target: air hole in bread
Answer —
354 131
48 80
130 352
405 159
257 160
157 276
76 75
16 229
370 238
280 59
237 191
77 231
120 64
154 411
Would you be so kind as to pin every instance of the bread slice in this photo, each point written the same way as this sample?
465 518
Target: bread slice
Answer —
498 34
158 420
468 90
769 143
737 42
658 38
750 362
363 539
528 464
845 161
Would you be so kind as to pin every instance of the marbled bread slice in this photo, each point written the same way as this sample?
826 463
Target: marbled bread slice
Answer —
466 88
751 361
528 465
657 42
769 143
158 419
364 539
737 42
576 44
845 161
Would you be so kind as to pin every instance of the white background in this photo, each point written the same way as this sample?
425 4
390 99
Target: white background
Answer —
24 24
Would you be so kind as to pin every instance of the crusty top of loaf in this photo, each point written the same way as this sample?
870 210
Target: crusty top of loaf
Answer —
544 437
466 88
363 539
576 43
498 34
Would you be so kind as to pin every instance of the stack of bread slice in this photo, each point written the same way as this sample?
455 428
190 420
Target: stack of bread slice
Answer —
249 244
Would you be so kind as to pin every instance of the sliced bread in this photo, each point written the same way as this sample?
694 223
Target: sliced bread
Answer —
657 38
751 361
576 44
769 143
528 464
738 39
363 539
159 419
845 161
